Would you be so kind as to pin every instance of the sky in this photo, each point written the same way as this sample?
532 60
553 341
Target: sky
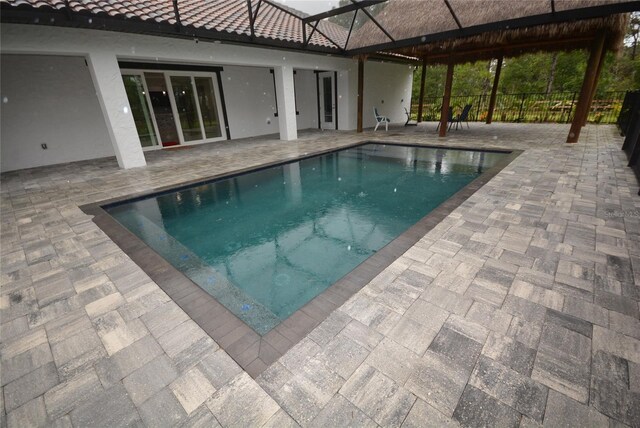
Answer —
311 6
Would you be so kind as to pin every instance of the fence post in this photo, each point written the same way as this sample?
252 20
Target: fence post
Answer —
521 107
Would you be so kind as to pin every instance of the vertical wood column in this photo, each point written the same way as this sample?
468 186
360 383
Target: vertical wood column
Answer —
494 91
422 78
587 88
444 112
360 91
595 85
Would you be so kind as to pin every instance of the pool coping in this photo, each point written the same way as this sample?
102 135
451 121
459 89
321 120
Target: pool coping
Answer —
255 353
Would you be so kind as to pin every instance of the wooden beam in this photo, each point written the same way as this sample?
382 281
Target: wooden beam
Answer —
494 91
595 85
444 112
421 102
587 88
361 60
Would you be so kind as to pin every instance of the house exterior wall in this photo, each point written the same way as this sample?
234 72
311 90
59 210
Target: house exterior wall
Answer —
251 101
32 113
306 99
248 85
387 87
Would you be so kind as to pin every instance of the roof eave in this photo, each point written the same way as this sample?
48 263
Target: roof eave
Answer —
61 18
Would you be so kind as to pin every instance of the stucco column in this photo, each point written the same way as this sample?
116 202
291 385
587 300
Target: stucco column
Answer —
115 109
286 102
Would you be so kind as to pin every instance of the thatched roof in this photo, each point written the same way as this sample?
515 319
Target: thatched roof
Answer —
510 43
487 28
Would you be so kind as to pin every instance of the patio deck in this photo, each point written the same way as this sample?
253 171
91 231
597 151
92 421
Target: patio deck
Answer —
520 308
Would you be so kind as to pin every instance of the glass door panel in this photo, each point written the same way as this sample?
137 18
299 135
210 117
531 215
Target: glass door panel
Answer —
327 100
187 109
134 86
162 111
208 107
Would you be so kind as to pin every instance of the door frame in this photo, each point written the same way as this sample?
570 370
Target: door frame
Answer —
192 74
149 105
320 75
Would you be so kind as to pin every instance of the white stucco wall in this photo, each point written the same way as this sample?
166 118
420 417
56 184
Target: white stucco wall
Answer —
306 98
388 87
250 99
52 100
248 84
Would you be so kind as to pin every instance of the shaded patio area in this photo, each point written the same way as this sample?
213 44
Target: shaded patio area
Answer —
520 308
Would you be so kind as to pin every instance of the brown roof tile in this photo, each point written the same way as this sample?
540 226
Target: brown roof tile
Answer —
220 15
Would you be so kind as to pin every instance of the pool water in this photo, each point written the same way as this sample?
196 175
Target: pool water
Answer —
266 242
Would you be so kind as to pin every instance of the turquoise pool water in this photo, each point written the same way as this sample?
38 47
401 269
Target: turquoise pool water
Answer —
266 242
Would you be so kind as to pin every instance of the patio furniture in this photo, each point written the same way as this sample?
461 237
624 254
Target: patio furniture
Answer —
409 122
462 117
449 119
380 119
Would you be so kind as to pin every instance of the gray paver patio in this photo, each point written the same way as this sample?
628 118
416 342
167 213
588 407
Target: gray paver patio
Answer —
520 308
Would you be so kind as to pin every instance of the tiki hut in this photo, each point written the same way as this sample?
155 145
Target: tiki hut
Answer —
457 31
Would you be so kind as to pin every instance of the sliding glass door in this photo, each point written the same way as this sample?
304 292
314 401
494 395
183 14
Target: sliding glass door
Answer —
139 103
174 108
208 107
162 110
183 93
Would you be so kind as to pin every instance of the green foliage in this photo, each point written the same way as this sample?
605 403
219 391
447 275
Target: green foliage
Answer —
570 70
530 74
540 72
468 79
633 33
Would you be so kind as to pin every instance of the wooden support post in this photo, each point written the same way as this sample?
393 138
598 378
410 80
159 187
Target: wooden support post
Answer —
587 88
494 91
595 85
444 112
424 74
361 60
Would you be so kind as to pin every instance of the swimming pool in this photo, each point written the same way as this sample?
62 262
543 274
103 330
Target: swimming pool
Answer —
266 242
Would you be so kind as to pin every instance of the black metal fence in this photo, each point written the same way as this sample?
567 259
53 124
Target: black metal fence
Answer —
631 101
556 107
629 123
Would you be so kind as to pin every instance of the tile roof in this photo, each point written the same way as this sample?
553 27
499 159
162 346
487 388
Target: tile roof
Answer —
278 23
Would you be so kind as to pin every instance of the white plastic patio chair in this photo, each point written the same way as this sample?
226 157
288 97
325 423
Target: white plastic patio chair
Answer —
380 119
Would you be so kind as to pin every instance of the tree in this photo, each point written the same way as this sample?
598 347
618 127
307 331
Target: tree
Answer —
633 33
552 73
526 73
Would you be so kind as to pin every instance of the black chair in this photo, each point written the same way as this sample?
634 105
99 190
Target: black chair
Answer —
409 122
463 117
450 119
